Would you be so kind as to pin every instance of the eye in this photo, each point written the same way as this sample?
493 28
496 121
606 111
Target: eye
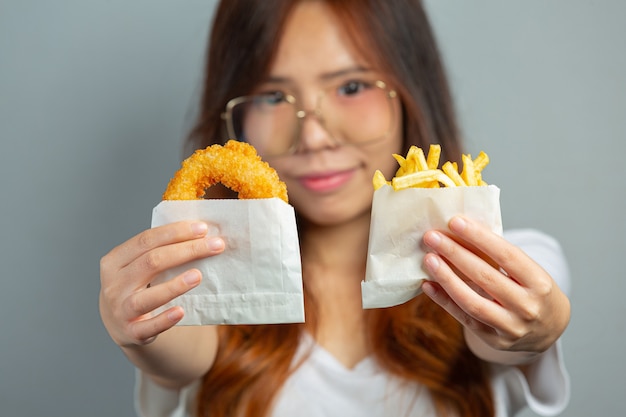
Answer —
351 88
270 98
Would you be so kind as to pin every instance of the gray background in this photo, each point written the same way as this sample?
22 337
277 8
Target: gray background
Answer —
95 97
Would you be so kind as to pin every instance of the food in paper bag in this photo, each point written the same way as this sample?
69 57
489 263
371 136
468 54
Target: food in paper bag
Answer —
258 278
420 197
419 171
235 165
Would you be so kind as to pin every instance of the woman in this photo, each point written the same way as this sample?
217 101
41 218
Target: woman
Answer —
368 78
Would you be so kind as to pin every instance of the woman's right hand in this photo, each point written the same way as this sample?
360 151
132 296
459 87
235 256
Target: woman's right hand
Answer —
127 302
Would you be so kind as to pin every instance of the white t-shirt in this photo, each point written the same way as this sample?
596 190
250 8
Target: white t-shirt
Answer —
322 386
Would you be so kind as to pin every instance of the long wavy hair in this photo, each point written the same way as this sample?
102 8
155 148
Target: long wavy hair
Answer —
417 341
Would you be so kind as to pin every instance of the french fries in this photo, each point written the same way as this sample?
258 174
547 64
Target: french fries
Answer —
419 171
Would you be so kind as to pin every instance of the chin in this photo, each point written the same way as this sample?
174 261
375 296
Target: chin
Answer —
333 214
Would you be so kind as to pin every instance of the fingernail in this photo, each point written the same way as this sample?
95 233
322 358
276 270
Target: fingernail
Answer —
432 263
458 224
199 228
215 243
175 315
191 277
429 289
432 239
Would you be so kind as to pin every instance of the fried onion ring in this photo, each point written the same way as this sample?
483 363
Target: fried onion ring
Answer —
235 165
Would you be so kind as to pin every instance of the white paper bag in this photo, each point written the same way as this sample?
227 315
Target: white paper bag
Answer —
394 272
258 278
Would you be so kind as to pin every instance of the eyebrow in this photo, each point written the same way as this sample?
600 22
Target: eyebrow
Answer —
325 76
344 72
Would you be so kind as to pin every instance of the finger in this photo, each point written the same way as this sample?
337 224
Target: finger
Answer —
495 335
147 300
436 293
482 276
509 257
145 331
470 304
153 238
145 268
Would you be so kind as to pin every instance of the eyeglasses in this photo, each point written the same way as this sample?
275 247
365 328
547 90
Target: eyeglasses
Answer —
355 112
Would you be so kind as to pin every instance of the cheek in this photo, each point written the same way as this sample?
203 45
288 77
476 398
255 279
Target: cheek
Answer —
383 159
280 164
284 167
387 164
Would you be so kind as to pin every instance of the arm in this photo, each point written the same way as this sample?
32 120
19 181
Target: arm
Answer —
177 357
171 356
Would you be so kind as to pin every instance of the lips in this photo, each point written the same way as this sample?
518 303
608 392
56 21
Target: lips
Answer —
326 182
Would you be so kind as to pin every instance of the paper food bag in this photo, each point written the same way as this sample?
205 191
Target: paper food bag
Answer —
257 279
394 272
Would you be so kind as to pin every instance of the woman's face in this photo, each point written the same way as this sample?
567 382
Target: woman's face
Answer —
329 181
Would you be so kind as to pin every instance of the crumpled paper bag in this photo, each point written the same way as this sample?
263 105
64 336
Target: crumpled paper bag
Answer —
394 271
257 279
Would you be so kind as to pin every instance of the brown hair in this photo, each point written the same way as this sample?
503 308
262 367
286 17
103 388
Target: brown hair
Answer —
418 340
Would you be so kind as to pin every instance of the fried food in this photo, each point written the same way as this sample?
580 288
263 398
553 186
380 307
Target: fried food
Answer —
236 165
418 171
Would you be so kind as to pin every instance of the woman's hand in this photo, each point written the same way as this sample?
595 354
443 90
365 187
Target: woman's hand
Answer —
127 301
505 300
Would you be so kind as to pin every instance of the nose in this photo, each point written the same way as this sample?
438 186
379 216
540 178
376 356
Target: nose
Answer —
313 133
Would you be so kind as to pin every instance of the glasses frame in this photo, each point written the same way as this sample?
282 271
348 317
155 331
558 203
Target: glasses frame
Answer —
227 115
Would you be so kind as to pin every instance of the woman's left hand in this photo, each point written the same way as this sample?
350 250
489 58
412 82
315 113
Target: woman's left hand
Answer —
501 296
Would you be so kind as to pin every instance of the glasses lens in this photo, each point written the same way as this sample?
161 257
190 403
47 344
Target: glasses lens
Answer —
267 122
352 112
358 112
